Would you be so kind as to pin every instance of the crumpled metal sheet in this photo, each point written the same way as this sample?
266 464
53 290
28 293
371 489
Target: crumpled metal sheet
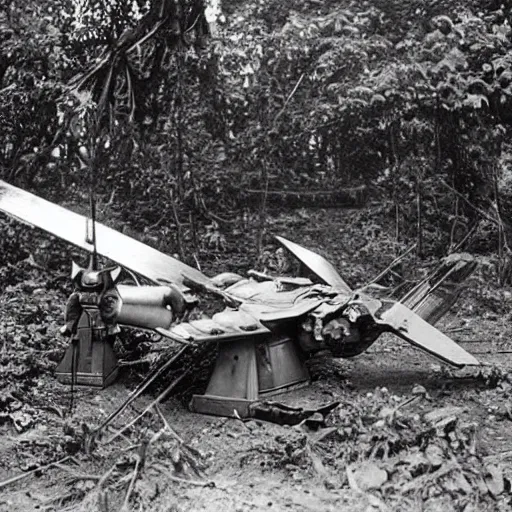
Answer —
434 296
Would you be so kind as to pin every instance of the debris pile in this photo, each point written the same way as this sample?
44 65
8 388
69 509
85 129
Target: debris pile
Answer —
410 454
137 475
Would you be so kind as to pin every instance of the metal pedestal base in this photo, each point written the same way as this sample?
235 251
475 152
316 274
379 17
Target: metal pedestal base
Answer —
246 371
89 361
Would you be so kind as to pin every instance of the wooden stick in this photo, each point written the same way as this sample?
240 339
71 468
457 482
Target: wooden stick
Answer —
139 465
393 263
458 329
290 96
78 476
166 424
17 478
160 397
483 213
139 390
130 487
197 483
105 476
466 237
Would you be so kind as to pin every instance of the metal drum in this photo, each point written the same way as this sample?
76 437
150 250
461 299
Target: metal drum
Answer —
145 306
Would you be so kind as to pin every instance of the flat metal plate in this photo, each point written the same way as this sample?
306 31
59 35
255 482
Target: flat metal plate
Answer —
71 227
316 264
408 325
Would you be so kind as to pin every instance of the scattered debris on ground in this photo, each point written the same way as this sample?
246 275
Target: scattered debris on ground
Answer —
408 434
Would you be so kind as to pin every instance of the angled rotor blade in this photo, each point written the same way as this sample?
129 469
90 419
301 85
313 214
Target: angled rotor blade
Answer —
71 227
405 323
316 264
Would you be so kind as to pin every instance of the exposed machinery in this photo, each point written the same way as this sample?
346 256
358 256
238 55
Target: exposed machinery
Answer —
270 324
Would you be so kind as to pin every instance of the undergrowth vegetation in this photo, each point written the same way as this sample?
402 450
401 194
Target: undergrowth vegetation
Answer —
198 102
205 125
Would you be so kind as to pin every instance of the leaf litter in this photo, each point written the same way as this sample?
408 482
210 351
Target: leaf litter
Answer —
398 449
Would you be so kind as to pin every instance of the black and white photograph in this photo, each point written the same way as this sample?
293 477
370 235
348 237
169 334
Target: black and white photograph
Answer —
255 255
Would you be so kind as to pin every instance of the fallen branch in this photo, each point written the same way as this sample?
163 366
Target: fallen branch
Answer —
219 219
139 390
17 478
458 329
160 397
209 483
166 424
397 260
139 464
105 476
483 213
466 237
78 476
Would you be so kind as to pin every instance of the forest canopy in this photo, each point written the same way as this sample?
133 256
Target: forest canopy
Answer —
186 104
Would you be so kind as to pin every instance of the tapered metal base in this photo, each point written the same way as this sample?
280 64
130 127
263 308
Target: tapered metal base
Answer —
89 359
246 371
88 379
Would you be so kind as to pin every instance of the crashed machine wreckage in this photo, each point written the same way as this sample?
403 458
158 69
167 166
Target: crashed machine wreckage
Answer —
269 326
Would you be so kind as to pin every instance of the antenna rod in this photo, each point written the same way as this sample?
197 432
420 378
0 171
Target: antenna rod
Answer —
94 255
90 163
92 199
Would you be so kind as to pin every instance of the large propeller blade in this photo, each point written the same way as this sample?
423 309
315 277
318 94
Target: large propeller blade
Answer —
120 248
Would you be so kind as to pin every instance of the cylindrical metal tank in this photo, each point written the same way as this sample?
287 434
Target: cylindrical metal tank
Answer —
145 306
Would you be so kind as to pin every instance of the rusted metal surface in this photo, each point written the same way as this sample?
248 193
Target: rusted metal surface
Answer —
116 246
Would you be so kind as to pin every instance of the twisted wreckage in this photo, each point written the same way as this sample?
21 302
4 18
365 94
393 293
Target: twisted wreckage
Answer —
269 326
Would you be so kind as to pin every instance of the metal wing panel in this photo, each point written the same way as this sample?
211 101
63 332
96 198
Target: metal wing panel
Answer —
316 264
267 315
71 226
408 325
432 298
228 325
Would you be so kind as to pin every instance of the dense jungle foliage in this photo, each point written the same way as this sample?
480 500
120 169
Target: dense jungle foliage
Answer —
180 106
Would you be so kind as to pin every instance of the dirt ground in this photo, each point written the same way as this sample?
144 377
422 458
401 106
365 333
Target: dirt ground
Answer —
409 433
